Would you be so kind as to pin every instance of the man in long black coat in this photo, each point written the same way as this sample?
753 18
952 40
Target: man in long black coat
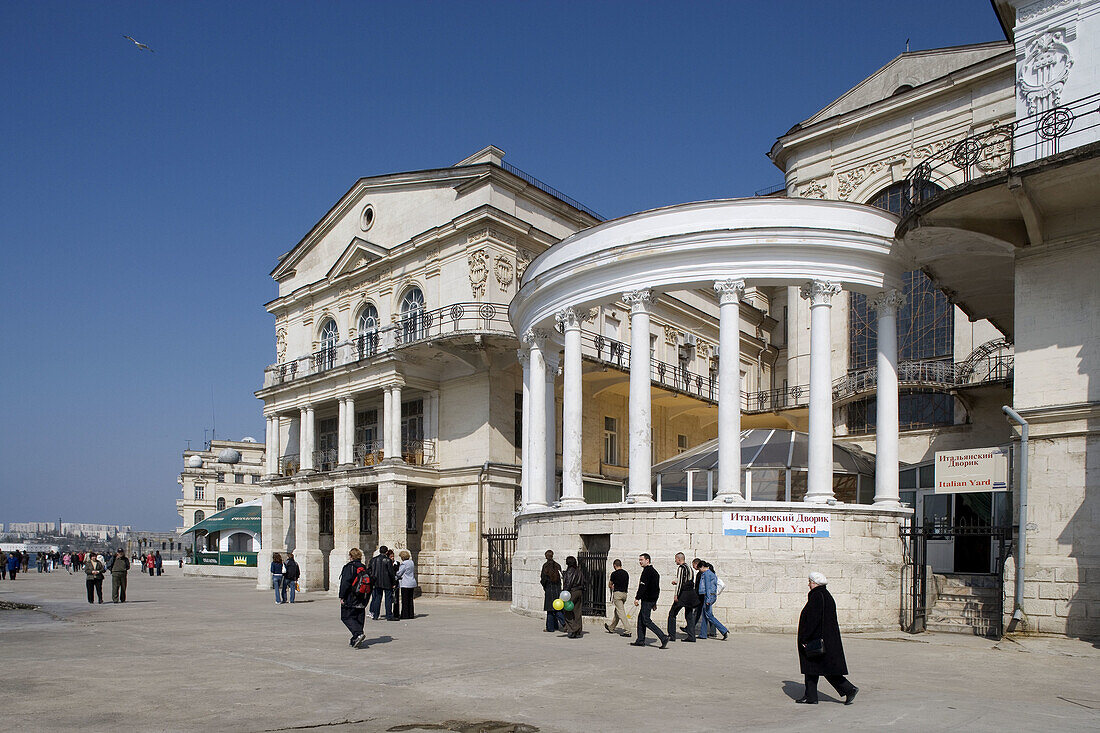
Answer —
818 623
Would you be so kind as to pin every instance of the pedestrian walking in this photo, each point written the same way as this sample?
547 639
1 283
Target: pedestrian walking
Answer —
150 563
820 651
291 573
119 566
649 590
382 581
67 561
708 591
353 606
158 561
574 582
14 561
396 612
406 581
94 570
277 577
3 565
617 584
685 598
550 579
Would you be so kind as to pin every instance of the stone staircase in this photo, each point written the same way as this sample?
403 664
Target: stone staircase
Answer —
965 604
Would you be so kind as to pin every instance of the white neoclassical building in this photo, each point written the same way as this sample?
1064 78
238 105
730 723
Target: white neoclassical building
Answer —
224 474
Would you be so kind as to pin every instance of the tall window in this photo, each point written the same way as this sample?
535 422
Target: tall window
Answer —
410 511
238 478
221 503
200 492
326 514
367 339
366 434
926 327
611 441
326 358
199 516
368 507
414 324
681 443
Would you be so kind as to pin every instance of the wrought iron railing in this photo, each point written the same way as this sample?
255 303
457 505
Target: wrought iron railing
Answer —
418 452
289 464
368 454
325 460
413 328
549 189
1030 138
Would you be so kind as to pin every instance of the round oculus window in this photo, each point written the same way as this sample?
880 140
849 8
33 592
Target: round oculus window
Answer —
367 218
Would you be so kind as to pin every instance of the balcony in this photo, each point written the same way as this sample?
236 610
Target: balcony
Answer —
413 452
416 328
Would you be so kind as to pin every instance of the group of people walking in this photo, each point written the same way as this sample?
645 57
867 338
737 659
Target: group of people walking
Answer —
383 575
284 577
695 589
13 563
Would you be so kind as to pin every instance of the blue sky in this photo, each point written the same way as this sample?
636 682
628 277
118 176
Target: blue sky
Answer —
145 197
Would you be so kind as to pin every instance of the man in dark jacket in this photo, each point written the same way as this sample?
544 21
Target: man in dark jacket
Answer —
816 624
119 566
291 573
550 578
686 598
649 590
353 607
383 578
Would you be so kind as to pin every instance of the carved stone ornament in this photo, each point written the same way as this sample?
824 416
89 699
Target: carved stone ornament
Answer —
888 300
479 271
568 318
729 290
538 337
704 349
639 300
1044 71
280 346
524 355
672 336
850 180
503 269
1029 12
523 259
813 190
996 150
819 292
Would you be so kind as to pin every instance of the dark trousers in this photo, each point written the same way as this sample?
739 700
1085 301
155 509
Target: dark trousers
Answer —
13 572
843 686
118 587
645 608
95 586
376 602
353 618
160 570
555 620
150 572
689 621
407 603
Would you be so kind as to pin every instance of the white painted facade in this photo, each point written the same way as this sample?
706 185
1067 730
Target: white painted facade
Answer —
209 485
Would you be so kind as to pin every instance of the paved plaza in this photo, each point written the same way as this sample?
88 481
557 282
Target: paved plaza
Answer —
203 654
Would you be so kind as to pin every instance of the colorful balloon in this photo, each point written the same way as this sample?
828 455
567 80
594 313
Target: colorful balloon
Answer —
568 605
564 596
558 605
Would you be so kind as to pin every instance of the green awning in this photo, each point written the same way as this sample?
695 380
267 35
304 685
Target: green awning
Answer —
242 516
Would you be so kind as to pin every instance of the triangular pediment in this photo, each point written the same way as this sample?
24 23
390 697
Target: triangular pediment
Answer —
358 254
909 70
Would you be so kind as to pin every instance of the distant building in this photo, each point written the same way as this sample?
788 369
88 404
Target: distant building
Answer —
227 473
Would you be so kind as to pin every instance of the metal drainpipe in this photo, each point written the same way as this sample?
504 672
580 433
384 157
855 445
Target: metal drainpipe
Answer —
480 478
1021 544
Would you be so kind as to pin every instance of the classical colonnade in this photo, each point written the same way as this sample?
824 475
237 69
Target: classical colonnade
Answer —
823 247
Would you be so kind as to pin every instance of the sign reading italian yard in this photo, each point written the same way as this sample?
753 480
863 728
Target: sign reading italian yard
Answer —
977 469
775 524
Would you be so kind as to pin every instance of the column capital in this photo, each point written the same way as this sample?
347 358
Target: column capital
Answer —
639 300
569 318
729 290
537 337
819 292
553 361
888 301
523 353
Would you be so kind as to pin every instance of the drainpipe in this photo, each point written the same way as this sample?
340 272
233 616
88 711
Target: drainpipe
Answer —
1021 545
480 481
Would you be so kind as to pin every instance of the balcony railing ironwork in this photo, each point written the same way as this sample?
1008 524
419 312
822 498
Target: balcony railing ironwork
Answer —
368 454
289 464
549 189
325 460
413 328
1030 138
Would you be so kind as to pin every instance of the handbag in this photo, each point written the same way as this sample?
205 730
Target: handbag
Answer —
815 648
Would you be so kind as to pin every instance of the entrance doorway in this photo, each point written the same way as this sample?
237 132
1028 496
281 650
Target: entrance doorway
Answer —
942 516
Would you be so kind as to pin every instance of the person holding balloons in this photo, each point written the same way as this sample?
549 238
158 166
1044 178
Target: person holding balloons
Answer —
551 589
573 584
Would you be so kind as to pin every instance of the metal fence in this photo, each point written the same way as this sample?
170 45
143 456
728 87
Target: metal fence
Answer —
502 545
594 567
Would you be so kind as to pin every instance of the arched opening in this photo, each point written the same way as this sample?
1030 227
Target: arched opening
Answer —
414 321
240 542
221 503
926 328
238 501
367 330
199 516
330 335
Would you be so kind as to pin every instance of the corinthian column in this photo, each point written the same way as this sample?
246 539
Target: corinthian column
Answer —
820 481
571 429
729 389
524 355
534 458
640 413
886 399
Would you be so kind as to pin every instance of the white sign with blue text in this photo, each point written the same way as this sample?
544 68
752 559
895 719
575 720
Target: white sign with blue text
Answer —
775 524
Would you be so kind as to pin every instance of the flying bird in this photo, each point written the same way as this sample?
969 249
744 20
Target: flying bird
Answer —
139 44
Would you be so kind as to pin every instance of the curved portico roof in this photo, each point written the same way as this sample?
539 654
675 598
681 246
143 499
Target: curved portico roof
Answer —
766 241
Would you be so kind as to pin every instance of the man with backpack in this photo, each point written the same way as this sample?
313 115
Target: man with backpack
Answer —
354 590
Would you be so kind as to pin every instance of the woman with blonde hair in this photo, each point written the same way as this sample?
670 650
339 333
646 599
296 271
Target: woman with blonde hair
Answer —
406 581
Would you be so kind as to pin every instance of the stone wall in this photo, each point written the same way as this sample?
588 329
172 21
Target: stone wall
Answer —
765 576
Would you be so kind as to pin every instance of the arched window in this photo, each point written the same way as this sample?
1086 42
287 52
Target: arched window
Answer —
368 331
238 501
326 357
199 516
221 503
926 328
414 321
